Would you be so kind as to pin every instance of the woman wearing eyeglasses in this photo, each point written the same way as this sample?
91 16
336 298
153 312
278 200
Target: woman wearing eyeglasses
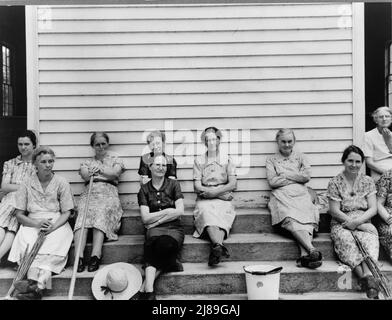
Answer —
378 143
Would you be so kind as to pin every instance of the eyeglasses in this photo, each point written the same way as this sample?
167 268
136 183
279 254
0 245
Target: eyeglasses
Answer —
160 165
384 117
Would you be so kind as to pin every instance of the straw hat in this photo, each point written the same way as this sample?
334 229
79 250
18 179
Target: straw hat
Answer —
117 281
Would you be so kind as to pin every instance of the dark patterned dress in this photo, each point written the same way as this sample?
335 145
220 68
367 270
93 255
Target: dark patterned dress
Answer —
353 205
157 200
384 190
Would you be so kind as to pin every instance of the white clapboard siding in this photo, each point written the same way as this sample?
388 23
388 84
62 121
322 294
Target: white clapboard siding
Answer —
135 12
136 138
248 69
317 159
312 121
221 99
190 63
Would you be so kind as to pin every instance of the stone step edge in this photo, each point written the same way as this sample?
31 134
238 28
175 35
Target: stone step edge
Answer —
263 237
323 295
228 267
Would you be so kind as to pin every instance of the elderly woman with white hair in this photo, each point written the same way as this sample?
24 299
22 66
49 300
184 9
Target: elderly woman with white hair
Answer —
378 143
290 202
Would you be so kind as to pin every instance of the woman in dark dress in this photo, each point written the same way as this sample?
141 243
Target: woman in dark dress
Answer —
161 207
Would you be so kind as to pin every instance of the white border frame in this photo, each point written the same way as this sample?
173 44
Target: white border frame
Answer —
32 76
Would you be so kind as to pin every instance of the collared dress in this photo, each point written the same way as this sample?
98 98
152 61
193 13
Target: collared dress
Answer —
384 190
376 148
158 200
161 199
353 204
44 204
213 212
15 171
146 160
290 202
104 210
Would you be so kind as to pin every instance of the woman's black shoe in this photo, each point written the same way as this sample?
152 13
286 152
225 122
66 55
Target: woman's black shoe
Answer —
147 296
81 265
306 262
94 264
370 286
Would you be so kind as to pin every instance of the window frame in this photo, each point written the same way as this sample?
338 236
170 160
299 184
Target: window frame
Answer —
12 69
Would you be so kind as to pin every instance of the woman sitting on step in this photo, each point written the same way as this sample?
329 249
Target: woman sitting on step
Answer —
156 143
352 203
161 207
104 209
378 143
43 203
383 221
15 171
214 175
290 202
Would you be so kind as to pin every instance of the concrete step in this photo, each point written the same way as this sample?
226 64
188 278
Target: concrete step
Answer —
226 278
242 246
248 220
350 295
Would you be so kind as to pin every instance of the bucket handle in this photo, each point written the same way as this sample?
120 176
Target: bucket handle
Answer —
262 273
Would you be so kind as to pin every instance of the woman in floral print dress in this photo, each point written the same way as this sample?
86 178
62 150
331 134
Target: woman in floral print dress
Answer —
15 171
384 206
104 209
352 202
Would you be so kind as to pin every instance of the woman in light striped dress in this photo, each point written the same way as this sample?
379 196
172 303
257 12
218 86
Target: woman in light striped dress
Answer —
15 171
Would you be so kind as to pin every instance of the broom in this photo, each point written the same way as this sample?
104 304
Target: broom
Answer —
382 281
26 261
77 254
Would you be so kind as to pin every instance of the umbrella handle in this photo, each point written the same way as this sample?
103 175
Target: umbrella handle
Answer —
77 254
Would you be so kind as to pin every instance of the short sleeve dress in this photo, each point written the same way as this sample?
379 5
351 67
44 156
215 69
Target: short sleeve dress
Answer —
104 210
213 212
290 202
44 204
353 204
15 171
384 190
158 200
376 148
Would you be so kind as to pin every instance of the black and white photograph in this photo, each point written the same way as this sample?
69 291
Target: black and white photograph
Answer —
206 151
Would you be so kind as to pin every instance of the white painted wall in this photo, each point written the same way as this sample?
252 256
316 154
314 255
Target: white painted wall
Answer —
251 69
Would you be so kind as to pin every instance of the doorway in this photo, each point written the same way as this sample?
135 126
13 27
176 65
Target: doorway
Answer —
13 106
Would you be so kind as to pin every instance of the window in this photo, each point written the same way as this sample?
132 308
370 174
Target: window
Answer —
6 77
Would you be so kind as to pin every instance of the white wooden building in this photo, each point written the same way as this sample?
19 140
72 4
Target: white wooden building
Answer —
248 69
